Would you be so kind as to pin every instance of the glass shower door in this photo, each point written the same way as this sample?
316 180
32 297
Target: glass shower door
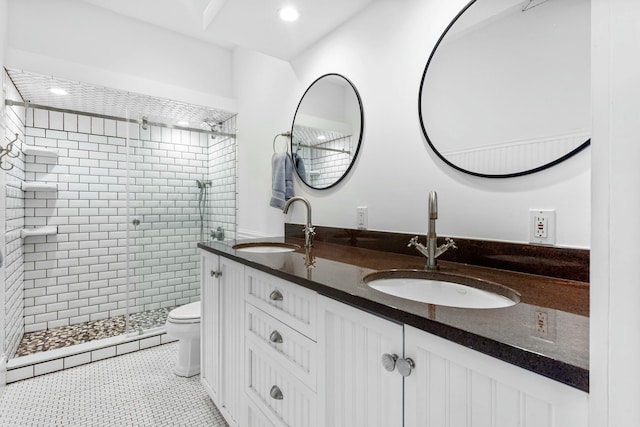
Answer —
167 211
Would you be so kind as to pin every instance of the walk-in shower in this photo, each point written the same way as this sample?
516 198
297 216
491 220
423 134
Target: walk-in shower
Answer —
122 214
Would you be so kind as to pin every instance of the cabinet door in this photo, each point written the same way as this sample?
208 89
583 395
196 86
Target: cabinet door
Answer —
455 386
354 389
210 325
231 339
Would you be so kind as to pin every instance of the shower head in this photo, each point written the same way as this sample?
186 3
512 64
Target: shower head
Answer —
199 183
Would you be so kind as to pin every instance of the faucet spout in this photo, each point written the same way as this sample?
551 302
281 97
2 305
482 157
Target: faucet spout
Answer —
432 251
309 229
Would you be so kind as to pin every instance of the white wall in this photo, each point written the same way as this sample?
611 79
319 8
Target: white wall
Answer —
383 51
263 86
77 41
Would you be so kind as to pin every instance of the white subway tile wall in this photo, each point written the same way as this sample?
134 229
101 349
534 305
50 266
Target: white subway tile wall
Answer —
110 173
328 166
14 213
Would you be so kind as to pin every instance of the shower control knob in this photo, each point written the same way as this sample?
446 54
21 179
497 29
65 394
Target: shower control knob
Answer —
389 361
405 366
136 222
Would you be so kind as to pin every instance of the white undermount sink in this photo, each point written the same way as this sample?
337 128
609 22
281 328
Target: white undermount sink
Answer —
442 289
266 247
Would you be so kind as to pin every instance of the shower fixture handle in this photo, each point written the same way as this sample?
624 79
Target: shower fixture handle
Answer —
136 222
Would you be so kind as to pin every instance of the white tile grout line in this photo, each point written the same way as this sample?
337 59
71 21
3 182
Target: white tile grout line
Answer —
30 366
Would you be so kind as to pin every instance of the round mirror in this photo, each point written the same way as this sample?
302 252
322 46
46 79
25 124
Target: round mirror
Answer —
506 90
326 131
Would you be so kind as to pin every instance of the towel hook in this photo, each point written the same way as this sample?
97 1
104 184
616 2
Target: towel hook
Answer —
285 134
7 152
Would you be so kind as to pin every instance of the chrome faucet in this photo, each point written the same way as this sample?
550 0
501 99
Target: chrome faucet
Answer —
309 230
432 251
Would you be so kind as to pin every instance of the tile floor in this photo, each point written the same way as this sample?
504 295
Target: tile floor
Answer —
136 389
64 336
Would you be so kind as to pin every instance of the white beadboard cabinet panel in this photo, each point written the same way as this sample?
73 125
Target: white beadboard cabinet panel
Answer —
255 418
209 325
354 390
222 334
295 352
454 386
232 340
297 404
292 304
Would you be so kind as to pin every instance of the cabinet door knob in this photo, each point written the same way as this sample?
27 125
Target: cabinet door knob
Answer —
276 295
405 366
275 337
389 361
276 393
216 273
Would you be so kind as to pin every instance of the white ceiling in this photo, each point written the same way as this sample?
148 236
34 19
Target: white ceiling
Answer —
252 24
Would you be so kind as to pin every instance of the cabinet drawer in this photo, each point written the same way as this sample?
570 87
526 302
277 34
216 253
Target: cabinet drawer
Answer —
291 304
294 351
279 395
255 417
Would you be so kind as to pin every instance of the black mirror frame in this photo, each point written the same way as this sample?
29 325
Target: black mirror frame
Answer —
357 150
483 175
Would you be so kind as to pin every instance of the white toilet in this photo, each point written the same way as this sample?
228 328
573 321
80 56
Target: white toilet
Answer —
183 323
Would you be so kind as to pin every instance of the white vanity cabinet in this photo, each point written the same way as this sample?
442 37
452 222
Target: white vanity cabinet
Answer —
448 385
453 385
353 386
276 354
222 334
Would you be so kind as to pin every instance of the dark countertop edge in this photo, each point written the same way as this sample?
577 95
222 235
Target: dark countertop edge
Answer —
563 372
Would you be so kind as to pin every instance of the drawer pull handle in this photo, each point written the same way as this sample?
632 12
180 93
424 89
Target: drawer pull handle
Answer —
276 393
275 337
276 295
216 273
389 361
405 366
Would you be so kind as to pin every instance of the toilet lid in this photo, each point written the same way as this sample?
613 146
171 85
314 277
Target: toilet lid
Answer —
186 312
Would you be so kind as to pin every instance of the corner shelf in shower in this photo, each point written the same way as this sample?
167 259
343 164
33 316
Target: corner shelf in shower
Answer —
30 150
39 231
39 186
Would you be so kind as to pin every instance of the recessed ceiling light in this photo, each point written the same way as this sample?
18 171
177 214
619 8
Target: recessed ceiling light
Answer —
289 14
58 91
183 123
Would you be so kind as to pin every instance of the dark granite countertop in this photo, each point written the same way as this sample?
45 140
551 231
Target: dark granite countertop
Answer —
507 333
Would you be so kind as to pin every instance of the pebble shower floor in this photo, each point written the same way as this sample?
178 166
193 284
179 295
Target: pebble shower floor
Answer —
136 389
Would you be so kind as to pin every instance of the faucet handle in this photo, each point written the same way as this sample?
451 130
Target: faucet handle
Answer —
413 242
450 243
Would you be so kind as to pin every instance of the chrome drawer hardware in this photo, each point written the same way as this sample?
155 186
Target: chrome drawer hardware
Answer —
275 337
216 273
389 361
276 393
405 366
276 295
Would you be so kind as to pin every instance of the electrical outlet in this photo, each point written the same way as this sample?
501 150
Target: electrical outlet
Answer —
362 220
542 226
542 324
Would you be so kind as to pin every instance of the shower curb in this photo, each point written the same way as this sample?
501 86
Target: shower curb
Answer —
33 365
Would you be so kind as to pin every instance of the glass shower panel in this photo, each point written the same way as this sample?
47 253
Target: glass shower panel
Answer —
168 213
